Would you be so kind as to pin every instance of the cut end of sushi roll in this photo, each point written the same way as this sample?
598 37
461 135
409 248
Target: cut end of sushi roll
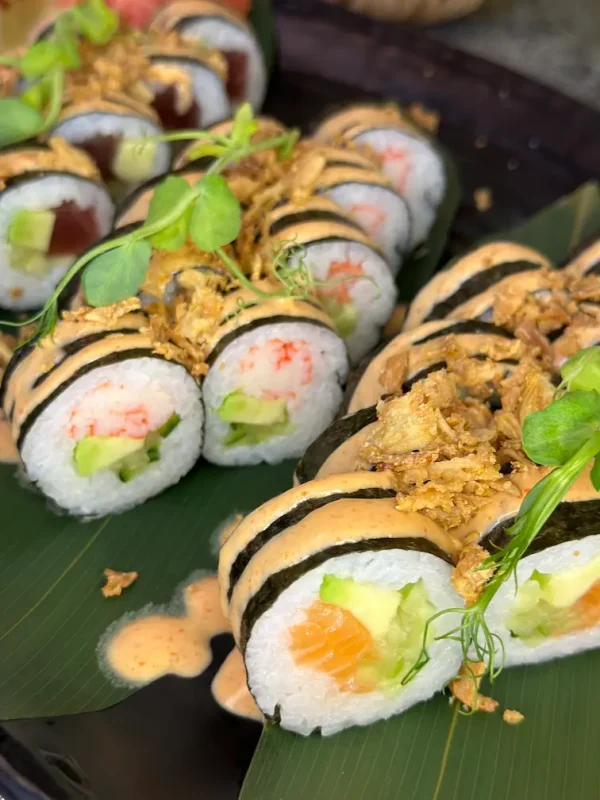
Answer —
330 614
52 207
110 424
219 27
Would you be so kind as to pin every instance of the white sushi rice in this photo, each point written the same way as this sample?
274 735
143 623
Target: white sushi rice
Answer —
374 297
419 175
209 90
47 451
18 290
220 34
78 129
311 382
307 698
391 230
553 560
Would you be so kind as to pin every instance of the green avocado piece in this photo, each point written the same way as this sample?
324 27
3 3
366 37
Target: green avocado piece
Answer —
133 465
372 606
242 408
134 160
344 316
22 259
242 434
32 230
93 453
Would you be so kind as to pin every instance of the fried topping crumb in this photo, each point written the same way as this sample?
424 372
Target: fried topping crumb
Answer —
466 687
106 315
512 717
467 577
425 118
116 582
483 199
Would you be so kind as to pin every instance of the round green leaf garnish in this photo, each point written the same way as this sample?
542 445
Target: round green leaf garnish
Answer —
117 274
216 215
18 121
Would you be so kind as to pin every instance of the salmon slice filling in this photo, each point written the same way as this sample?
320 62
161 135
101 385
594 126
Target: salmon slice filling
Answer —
549 605
336 298
362 636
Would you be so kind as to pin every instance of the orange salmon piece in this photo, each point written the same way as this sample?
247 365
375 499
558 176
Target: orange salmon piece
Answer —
340 289
333 641
587 609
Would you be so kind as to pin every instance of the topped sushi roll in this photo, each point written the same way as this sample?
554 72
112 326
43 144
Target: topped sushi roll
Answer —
414 167
52 207
217 26
101 419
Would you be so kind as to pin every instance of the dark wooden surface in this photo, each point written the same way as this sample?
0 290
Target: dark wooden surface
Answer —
170 740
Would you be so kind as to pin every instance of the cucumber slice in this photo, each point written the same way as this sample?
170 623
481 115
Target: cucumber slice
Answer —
32 230
134 160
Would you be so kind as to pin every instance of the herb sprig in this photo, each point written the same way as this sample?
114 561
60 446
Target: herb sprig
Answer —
207 212
566 436
43 66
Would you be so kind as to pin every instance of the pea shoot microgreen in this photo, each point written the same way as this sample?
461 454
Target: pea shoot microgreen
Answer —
566 436
43 66
207 212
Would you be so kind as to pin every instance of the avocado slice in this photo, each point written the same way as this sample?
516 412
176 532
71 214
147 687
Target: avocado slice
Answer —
136 463
32 230
344 316
372 606
242 408
134 160
94 453
22 259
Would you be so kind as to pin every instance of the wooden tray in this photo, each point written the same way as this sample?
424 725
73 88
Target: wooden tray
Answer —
170 740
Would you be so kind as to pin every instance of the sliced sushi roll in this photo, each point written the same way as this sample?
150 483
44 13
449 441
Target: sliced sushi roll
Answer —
464 289
53 206
349 179
109 130
274 380
221 28
354 282
336 450
412 355
552 608
330 609
197 102
101 421
409 160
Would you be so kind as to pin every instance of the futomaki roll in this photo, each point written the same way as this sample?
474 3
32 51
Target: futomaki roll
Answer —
355 185
328 590
552 609
110 130
464 289
410 161
221 28
197 101
52 207
274 380
354 282
419 351
101 421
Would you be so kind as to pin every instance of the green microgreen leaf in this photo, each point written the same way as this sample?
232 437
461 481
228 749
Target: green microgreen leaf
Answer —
595 474
206 150
36 95
65 36
582 371
285 150
216 216
244 126
117 274
18 121
165 196
555 434
39 59
95 20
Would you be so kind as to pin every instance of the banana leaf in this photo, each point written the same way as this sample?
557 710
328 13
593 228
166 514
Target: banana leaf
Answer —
434 751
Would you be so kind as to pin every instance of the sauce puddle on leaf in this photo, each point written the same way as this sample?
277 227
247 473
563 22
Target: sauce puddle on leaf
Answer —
142 649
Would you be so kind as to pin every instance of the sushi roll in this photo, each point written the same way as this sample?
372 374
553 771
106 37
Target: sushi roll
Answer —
464 289
101 421
53 206
420 350
407 157
552 608
354 282
109 130
350 180
328 590
337 450
221 28
274 380
197 102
